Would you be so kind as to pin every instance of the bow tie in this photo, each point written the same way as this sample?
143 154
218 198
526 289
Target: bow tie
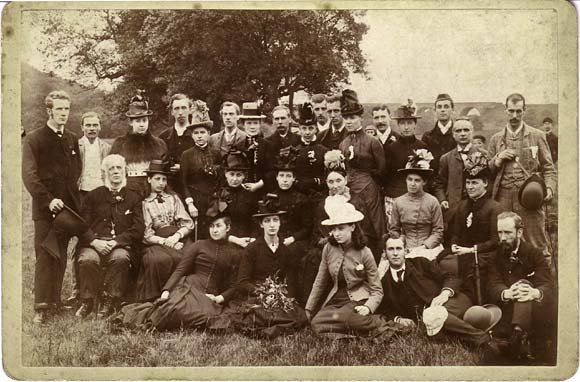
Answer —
464 151
160 198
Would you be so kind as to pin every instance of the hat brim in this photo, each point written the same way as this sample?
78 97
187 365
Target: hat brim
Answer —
269 214
413 117
206 125
236 168
80 225
358 111
421 171
355 218
144 114
261 116
152 172
536 179
496 315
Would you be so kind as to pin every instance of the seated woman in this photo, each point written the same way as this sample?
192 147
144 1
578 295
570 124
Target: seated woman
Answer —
167 229
417 214
239 203
198 289
267 260
336 180
349 269
474 232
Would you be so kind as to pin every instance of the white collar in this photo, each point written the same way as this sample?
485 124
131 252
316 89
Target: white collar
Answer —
232 134
444 128
86 140
339 129
515 133
179 130
467 147
383 136
55 129
323 127
201 147
311 142
394 272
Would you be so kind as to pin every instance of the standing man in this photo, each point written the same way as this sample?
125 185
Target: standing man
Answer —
381 120
320 111
439 140
51 166
449 185
517 151
230 136
177 138
92 150
336 132
551 138
282 136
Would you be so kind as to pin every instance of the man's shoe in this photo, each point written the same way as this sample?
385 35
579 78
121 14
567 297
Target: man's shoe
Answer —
85 309
71 302
519 345
39 317
106 308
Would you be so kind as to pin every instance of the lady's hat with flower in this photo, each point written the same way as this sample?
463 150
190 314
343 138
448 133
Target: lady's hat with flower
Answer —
476 165
421 158
334 160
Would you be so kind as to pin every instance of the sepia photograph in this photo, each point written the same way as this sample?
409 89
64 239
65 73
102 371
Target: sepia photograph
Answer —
225 186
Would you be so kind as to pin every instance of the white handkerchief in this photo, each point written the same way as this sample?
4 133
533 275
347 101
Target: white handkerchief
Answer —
534 150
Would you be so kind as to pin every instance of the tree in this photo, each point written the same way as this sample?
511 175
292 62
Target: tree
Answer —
218 55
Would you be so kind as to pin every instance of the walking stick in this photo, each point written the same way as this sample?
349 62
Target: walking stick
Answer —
195 230
477 278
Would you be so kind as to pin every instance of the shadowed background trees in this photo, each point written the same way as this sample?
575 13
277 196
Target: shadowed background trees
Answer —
207 54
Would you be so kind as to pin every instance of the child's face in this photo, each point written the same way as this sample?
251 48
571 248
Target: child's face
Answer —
477 143
158 182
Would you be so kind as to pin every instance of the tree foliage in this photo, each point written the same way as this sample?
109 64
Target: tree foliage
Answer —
209 54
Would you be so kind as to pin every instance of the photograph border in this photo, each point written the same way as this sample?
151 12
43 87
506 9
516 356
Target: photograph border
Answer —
567 360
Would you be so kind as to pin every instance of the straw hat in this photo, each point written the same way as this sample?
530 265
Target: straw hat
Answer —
339 211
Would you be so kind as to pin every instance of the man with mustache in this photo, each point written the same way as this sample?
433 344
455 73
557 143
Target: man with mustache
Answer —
520 283
381 120
282 136
92 150
320 111
336 132
515 152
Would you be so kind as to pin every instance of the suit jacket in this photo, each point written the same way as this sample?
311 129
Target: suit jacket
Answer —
217 141
176 145
325 138
439 143
365 285
553 143
51 167
104 149
531 266
423 277
105 212
540 163
450 184
391 138
277 142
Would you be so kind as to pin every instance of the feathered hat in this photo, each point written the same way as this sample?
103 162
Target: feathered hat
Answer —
138 106
349 104
200 116
476 166
418 163
334 161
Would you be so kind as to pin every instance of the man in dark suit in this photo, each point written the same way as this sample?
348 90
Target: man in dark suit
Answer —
411 285
551 138
439 140
51 167
282 136
332 136
381 120
231 136
521 283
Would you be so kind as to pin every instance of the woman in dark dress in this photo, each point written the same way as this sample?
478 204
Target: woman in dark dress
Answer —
199 288
167 230
199 175
349 270
267 258
238 203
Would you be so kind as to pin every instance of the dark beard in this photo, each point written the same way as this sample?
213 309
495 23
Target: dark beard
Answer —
506 249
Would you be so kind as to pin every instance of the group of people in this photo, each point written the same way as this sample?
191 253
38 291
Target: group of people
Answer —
355 231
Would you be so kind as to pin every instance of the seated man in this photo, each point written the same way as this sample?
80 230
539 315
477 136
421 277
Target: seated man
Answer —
411 285
115 217
520 282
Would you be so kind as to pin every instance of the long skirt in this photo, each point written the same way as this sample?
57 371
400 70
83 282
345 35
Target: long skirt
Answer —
338 320
187 307
158 264
250 318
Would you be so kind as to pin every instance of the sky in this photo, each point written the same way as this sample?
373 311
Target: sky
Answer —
473 55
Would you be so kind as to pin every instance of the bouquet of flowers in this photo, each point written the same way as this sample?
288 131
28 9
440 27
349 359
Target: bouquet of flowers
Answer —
334 160
273 295
420 159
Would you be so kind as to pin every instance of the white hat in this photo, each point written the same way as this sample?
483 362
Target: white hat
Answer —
434 317
339 211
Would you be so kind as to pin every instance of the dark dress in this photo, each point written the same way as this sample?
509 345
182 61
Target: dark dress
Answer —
257 264
176 146
310 170
199 179
396 156
207 266
260 154
241 205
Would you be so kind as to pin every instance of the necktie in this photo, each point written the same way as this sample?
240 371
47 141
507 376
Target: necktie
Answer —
400 275
59 133
160 198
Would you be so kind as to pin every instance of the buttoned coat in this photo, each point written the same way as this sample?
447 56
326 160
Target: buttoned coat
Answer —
216 141
51 167
438 143
449 184
325 138
423 277
359 286
540 163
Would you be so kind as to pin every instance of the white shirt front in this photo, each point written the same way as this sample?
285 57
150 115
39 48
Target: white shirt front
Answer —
394 273
91 177
323 127
383 136
463 152
444 128
179 130
229 137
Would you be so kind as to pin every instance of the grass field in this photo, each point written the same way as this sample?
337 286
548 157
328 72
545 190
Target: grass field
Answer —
68 341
